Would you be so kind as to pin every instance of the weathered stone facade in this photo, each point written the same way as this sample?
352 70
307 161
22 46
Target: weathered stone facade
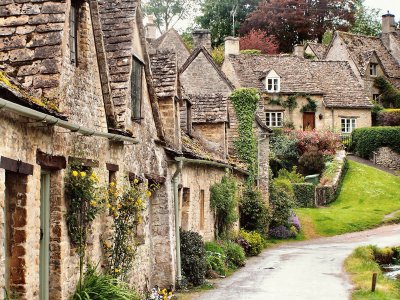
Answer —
386 157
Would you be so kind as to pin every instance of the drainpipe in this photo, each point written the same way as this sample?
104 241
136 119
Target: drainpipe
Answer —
53 121
178 171
263 138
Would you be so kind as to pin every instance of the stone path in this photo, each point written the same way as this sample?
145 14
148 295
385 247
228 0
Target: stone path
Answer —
371 164
310 270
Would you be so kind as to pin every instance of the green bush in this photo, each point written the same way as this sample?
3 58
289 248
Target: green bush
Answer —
367 140
216 262
96 286
223 201
193 257
284 153
311 162
383 256
251 51
389 117
282 202
213 247
256 241
304 194
235 256
292 176
390 96
254 214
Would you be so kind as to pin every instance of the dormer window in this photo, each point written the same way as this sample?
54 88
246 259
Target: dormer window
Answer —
273 82
372 69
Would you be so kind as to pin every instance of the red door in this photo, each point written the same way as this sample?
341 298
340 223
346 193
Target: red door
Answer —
308 121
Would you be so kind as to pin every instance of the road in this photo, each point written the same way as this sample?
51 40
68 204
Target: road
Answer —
310 270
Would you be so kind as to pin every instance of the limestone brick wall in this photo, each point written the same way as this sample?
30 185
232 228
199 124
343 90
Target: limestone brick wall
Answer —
214 132
332 118
386 157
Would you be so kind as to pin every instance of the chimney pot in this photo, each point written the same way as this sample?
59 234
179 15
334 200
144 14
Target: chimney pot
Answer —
232 46
202 38
388 23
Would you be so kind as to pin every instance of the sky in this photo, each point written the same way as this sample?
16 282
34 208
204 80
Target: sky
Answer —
384 5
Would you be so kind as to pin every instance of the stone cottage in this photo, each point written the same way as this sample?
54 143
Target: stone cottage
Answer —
75 86
300 93
370 56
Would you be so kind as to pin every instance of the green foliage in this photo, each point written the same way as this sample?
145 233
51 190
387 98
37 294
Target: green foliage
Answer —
256 241
331 168
327 37
213 247
218 55
390 96
193 257
216 262
367 20
389 117
311 162
281 201
367 140
254 214
187 38
309 56
276 101
311 106
245 102
375 111
251 51
290 103
292 176
283 152
235 256
304 194
223 201
98 286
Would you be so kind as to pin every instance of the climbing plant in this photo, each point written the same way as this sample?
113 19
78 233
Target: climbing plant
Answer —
311 106
224 202
245 102
390 96
290 103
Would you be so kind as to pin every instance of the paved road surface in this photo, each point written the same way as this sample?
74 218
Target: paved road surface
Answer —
311 270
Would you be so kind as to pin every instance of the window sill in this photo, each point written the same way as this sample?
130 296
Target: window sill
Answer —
137 120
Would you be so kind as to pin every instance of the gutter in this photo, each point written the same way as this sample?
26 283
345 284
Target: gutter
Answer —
53 121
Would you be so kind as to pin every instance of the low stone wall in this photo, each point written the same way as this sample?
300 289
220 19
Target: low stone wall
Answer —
386 157
325 194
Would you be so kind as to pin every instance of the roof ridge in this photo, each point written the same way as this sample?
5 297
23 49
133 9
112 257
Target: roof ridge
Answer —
358 35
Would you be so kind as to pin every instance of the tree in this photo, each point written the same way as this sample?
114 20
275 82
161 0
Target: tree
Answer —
366 20
259 40
294 21
168 12
217 16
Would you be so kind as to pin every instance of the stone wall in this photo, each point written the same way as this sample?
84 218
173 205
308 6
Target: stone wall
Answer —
332 118
386 157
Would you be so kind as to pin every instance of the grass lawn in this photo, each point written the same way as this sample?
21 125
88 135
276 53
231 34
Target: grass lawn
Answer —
367 195
360 265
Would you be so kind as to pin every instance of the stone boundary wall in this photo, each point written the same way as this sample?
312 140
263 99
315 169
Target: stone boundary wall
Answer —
386 157
325 194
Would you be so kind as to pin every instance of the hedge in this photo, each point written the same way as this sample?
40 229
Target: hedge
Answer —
389 117
367 140
304 194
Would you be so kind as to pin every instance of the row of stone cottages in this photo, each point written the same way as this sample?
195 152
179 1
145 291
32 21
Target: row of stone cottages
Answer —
78 84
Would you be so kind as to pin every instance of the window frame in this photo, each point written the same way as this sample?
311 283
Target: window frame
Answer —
275 84
270 121
373 69
73 31
348 124
136 94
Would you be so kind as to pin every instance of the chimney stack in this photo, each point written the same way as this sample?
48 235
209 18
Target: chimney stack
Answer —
151 29
202 38
388 23
232 46
298 50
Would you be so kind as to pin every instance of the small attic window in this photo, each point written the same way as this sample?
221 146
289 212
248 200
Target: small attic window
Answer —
273 82
373 69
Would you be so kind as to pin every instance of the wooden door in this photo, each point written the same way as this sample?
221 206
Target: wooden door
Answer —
308 121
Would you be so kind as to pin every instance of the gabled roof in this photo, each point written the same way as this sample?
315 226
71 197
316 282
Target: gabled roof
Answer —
334 80
360 48
203 50
318 49
209 108
165 72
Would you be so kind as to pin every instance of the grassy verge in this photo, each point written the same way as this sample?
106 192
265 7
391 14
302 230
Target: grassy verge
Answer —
367 195
360 265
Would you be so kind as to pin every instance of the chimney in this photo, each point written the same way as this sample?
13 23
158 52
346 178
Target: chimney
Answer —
151 29
232 46
388 23
298 50
202 38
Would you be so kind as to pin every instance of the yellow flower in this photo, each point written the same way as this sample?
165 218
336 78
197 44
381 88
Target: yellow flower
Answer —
139 202
136 181
108 205
112 184
93 203
113 208
83 174
116 270
148 194
74 173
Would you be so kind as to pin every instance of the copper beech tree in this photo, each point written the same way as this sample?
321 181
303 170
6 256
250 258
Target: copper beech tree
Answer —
259 40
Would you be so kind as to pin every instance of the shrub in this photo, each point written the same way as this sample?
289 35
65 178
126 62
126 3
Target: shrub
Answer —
216 262
256 241
218 55
193 257
304 194
367 140
235 255
281 232
311 162
283 152
389 117
331 168
245 245
213 247
383 255
295 222
390 96
99 286
282 203
254 214
292 176
223 201
324 142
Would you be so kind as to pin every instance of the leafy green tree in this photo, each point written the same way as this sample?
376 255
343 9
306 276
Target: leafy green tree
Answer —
366 19
217 16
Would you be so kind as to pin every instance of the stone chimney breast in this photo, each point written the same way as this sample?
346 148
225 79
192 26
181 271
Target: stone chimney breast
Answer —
151 29
232 46
202 38
298 50
388 23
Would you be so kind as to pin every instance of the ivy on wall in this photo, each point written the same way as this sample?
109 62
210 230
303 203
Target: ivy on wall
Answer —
245 103
390 96
290 103
311 106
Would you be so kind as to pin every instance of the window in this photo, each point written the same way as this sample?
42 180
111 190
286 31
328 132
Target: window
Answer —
136 89
372 69
202 207
274 119
348 125
189 117
73 32
273 85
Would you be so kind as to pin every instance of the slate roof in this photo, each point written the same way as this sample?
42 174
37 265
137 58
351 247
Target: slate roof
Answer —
165 72
318 49
209 108
361 47
334 80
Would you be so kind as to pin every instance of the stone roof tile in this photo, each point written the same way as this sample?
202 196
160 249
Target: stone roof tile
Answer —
318 49
211 108
165 72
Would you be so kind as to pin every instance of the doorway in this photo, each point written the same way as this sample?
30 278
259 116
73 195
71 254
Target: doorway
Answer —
44 256
308 121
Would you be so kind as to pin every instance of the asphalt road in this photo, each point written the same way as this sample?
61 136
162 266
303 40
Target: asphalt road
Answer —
311 270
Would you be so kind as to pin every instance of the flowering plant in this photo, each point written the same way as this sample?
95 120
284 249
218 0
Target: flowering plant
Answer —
327 142
125 205
159 294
